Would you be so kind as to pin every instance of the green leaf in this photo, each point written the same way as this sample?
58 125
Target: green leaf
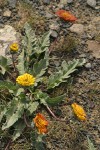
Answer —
44 43
40 67
64 72
90 145
14 112
39 145
30 40
56 100
3 65
33 44
39 95
32 107
21 65
8 85
2 113
19 127
19 91
46 100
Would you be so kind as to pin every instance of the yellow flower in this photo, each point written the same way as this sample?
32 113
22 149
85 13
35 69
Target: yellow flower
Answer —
41 123
14 47
79 112
25 79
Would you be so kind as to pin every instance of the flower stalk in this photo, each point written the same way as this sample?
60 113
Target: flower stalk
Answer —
50 111
13 62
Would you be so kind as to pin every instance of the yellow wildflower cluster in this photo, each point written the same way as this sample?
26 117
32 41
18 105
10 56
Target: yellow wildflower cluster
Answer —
79 112
25 79
14 47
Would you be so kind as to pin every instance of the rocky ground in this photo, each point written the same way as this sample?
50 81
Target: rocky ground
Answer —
80 39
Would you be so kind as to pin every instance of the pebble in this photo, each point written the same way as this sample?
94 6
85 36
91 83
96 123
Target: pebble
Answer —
7 35
69 1
94 47
88 65
7 13
46 1
49 16
77 28
91 3
54 26
54 34
82 56
12 3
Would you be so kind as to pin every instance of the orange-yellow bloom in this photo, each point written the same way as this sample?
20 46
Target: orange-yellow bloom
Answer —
66 15
14 47
79 112
25 80
41 123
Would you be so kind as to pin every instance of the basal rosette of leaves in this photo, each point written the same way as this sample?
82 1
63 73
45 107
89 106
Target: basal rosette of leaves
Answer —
24 101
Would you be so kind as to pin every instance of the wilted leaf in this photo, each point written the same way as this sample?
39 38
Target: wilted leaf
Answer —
67 16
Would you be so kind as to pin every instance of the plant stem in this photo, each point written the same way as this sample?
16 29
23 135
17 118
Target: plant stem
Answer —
7 147
25 120
50 111
13 62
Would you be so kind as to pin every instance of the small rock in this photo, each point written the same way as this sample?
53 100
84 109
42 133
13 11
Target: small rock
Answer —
63 2
94 47
49 16
46 1
88 66
7 35
54 26
77 28
54 34
91 3
12 3
7 13
69 1
82 56
92 78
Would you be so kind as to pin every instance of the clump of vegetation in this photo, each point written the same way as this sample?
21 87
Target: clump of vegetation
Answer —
97 38
28 89
3 3
28 14
67 44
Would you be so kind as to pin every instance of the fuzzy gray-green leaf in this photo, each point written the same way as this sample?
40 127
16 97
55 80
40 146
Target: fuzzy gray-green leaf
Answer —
3 65
90 145
64 72
32 106
20 66
13 114
40 67
19 127
45 99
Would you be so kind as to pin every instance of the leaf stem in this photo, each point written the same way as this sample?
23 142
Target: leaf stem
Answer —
7 147
25 120
50 111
